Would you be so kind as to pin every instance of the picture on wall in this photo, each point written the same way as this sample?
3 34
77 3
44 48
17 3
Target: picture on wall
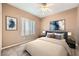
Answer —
57 25
11 23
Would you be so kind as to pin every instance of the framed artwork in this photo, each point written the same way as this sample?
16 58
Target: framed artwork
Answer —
57 25
11 23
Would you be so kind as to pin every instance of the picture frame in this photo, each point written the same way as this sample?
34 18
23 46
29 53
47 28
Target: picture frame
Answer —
11 23
57 25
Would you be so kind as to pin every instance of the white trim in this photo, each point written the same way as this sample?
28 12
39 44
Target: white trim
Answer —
13 45
0 27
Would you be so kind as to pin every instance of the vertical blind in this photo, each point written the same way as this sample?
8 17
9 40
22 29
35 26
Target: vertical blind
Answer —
28 27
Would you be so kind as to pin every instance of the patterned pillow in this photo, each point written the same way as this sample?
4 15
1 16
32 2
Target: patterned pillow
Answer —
59 35
50 35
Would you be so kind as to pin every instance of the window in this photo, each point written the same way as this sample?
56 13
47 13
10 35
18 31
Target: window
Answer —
32 27
28 27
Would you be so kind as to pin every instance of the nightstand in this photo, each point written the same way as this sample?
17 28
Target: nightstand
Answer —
71 43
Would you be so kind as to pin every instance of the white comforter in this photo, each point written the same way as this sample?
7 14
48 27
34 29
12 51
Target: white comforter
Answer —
48 47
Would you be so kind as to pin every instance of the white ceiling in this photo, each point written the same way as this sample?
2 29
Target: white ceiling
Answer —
34 8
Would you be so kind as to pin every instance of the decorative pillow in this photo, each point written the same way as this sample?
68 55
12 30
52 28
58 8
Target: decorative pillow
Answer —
59 35
50 35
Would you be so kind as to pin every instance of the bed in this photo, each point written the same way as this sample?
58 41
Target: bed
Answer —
45 46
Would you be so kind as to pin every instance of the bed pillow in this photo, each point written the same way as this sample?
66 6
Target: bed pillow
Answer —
59 35
50 35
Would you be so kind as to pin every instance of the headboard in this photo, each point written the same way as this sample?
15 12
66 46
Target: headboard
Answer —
65 33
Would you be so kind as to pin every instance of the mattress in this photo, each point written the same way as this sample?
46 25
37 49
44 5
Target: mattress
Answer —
48 47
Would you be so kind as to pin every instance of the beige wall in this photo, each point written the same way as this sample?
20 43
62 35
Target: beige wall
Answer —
0 27
70 17
14 37
77 29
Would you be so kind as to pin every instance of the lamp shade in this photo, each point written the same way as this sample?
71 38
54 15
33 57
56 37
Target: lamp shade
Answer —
69 33
43 31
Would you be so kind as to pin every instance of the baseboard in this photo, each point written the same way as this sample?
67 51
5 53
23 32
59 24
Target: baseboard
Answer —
13 45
